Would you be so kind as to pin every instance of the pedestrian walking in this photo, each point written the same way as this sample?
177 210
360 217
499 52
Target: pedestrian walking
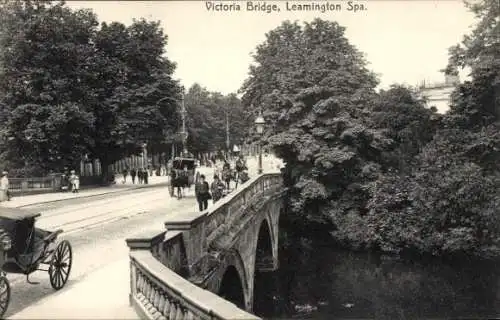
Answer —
74 179
125 174
4 187
202 192
217 189
145 176
133 173
140 175
226 174
240 167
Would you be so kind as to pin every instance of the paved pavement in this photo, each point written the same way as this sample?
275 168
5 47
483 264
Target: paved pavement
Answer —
90 298
21 201
99 282
269 164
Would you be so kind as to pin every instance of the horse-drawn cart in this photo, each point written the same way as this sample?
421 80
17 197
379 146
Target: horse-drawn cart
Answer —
25 248
183 174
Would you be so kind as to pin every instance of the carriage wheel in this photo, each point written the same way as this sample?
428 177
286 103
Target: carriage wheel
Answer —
4 295
60 265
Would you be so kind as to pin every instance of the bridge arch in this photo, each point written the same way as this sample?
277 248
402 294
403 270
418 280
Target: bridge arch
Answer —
264 249
233 285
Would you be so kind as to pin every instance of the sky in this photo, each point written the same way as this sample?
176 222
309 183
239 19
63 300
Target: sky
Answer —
404 41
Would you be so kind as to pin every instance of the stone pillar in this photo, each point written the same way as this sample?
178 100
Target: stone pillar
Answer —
250 272
145 241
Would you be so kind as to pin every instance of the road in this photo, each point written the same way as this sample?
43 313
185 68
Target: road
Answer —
96 228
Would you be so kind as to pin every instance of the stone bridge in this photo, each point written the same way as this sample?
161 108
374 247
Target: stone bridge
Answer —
204 264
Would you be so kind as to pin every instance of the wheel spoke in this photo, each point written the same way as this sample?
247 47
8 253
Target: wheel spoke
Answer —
58 284
59 253
64 272
64 250
63 277
65 257
60 278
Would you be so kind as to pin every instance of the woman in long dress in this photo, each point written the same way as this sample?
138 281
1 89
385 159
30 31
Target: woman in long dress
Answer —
75 181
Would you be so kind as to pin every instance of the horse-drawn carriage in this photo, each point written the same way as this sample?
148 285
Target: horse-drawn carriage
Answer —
182 174
24 248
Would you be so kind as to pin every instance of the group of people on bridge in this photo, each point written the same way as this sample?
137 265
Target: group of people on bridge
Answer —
180 179
219 188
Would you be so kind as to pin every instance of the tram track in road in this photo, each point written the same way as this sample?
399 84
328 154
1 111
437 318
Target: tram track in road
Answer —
83 198
81 219
73 209
97 200
73 227
97 245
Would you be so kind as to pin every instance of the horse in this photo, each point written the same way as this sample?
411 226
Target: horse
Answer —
178 181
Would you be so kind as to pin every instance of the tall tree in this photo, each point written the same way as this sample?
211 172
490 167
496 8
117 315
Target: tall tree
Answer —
407 121
199 119
207 114
69 88
43 45
133 96
477 102
317 103
449 203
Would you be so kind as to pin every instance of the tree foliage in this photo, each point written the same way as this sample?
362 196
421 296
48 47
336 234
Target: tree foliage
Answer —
69 87
207 113
378 169
318 117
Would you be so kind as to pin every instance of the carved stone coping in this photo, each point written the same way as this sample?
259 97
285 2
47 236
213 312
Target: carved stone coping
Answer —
186 221
190 296
147 240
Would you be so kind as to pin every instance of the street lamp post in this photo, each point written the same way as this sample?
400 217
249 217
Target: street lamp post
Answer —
228 143
259 124
184 133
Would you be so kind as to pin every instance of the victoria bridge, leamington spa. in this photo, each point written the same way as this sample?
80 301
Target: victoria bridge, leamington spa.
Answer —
204 264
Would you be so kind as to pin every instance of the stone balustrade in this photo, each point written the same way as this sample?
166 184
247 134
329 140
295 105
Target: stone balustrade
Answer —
159 293
163 263
204 230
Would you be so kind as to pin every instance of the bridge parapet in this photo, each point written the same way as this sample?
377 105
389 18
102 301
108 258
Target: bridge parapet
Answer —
160 292
169 269
212 228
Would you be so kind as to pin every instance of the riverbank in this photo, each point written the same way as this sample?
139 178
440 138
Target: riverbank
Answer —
319 280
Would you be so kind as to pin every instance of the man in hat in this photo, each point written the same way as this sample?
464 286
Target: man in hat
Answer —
202 192
4 186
